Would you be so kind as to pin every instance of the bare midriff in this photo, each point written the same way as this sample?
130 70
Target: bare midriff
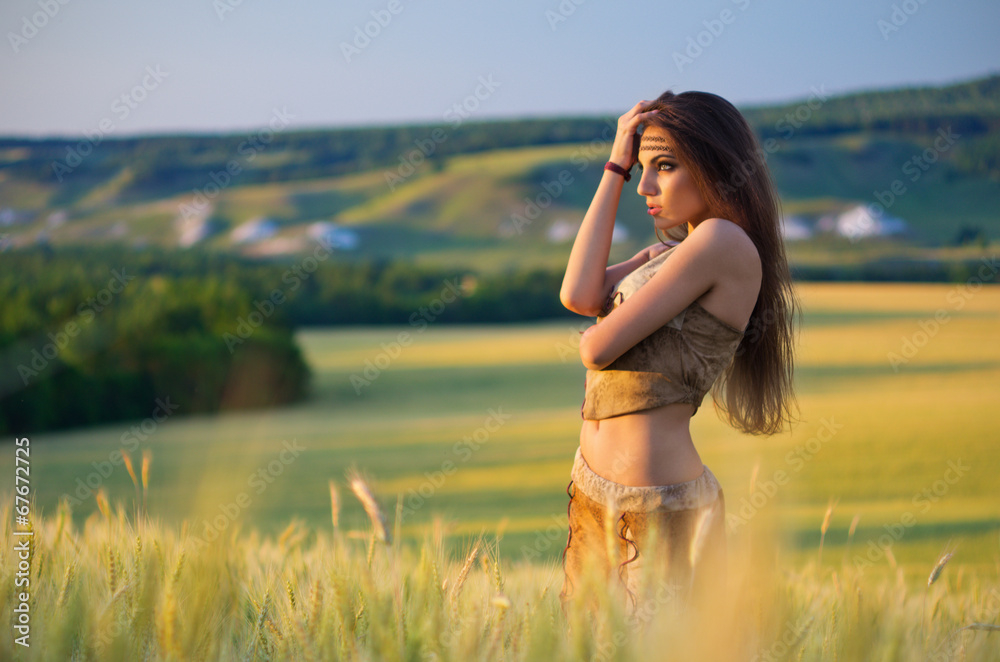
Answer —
649 447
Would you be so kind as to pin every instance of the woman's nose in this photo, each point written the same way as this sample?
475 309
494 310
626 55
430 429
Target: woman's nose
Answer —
647 183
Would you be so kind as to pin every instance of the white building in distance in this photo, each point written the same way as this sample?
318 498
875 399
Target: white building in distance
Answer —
254 230
858 221
334 235
794 228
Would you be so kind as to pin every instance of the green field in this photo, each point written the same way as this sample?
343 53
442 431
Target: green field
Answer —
898 429
911 464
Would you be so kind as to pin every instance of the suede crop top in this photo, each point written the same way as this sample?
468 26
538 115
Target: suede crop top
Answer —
678 362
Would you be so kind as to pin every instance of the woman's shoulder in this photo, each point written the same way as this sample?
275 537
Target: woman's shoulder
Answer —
720 238
721 228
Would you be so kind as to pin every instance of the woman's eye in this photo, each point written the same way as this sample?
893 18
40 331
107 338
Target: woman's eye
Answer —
664 164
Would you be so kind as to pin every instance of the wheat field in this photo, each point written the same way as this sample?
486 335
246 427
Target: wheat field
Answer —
870 531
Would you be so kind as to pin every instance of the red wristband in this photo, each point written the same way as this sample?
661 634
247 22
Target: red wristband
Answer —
614 167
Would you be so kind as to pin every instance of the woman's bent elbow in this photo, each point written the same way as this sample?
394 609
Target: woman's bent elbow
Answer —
579 307
587 357
591 363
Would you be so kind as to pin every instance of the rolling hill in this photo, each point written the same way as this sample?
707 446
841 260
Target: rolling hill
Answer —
496 194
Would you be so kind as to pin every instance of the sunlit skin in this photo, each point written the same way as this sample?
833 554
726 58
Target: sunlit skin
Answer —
671 195
654 446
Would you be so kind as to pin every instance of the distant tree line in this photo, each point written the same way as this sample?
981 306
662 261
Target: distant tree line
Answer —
902 270
176 164
93 335
85 338
179 163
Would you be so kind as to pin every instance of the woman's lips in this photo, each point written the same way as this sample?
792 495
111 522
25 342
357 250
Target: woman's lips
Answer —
653 211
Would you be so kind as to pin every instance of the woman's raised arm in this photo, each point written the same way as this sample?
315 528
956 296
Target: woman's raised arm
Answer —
584 287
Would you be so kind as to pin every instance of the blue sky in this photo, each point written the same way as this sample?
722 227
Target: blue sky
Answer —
230 64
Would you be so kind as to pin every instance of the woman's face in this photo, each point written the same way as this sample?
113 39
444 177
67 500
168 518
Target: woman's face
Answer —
671 195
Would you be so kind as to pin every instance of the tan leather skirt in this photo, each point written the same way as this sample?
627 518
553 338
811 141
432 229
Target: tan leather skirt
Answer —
665 543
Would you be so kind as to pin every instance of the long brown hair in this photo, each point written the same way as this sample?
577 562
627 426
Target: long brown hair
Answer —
713 139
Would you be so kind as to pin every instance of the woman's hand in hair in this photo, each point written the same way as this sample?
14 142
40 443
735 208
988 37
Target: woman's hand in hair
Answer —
626 145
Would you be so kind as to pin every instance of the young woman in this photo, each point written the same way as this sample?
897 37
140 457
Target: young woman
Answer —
712 312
